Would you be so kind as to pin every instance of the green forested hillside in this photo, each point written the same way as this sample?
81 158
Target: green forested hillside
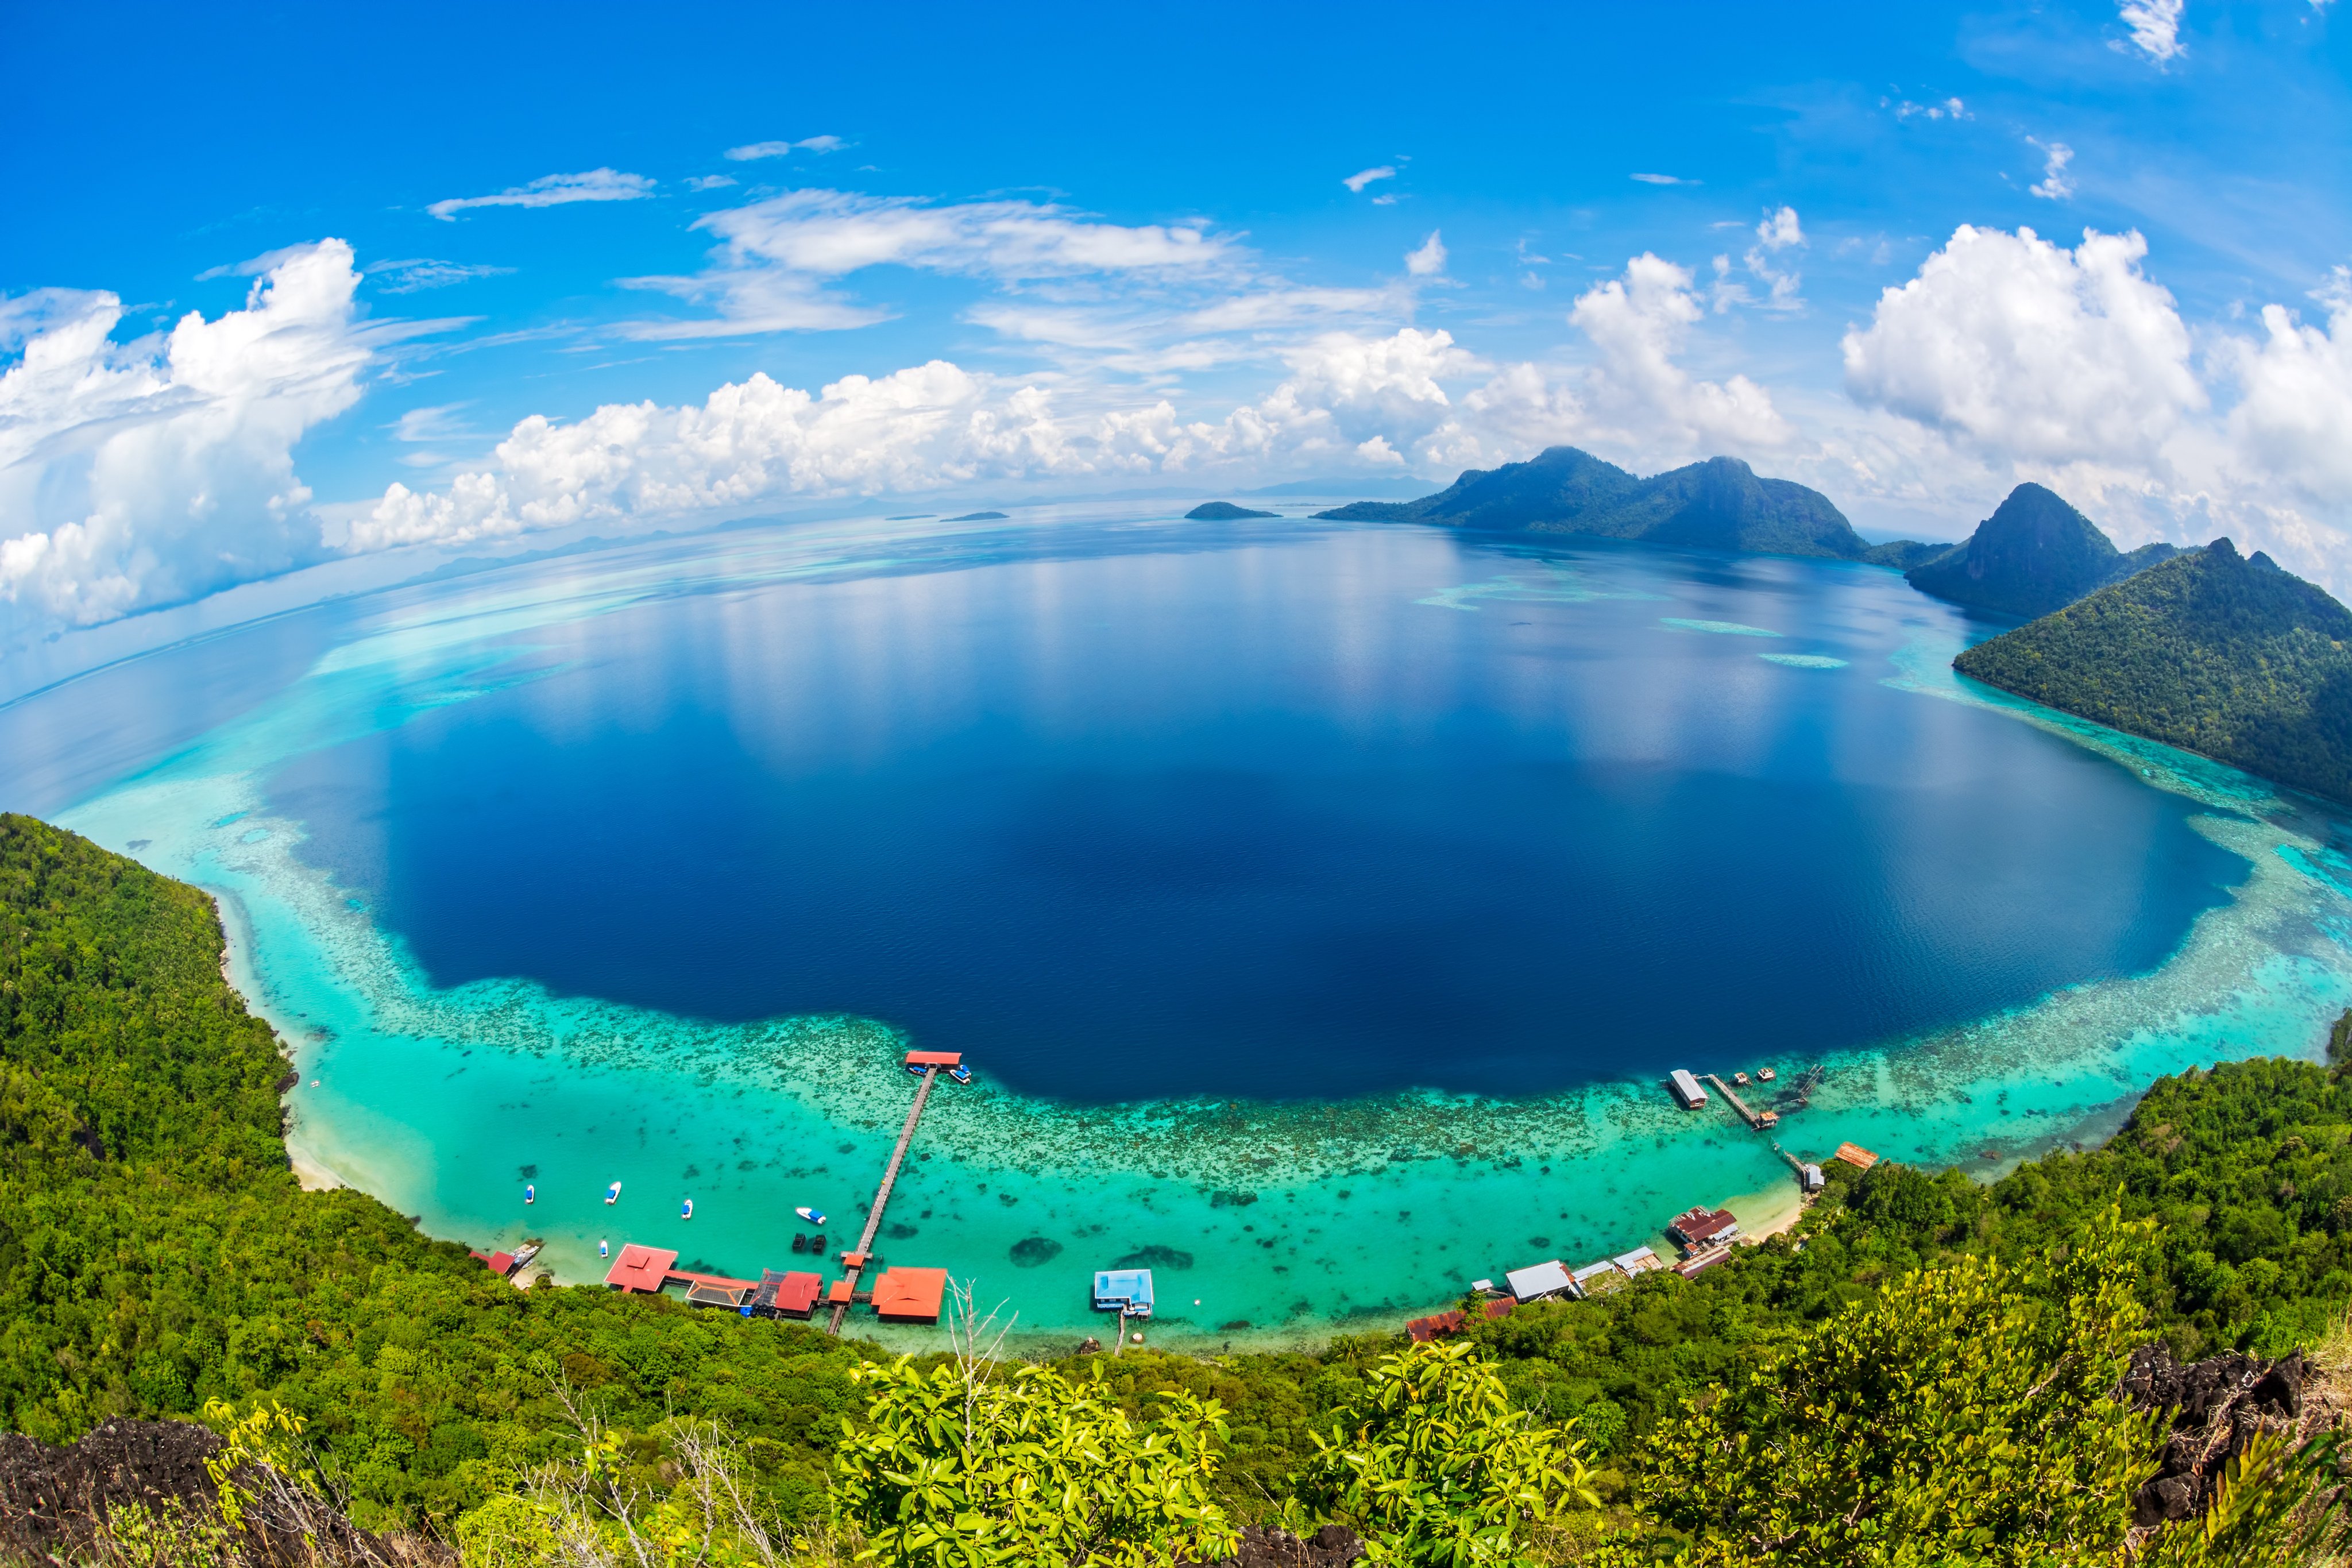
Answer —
2035 554
155 1251
2208 651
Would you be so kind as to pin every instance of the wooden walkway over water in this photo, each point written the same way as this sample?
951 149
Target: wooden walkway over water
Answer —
855 1261
1759 1119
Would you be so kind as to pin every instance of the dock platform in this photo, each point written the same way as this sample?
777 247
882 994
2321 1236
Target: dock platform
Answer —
931 1064
1759 1119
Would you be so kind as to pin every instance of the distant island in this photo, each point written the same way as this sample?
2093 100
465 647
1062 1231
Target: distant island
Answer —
2209 651
2033 556
1719 504
978 517
1226 511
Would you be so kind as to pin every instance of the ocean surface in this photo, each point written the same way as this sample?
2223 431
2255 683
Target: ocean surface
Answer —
1319 905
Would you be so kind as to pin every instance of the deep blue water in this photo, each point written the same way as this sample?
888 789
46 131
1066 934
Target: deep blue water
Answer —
1122 819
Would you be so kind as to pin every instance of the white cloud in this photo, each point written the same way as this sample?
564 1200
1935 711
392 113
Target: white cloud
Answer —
709 181
1362 178
145 474
2057 183
1950 109
1661 180
1429 261
407 276
2293 417
2155 28
779 149
769 272
1641 395
2029 349
552 191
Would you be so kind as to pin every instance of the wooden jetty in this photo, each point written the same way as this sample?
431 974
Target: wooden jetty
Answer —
1759 1119
853 1262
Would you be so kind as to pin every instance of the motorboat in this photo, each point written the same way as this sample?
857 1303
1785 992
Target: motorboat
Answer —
525 1253
530 1194
961 1075
603 1249
612 1193
812 1216
685 1209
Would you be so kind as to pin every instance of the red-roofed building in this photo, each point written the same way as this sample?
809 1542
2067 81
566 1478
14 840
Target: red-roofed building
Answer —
911 1295
941 1059
498 1263
640 1270
786 1295
1701 1228
1425 1330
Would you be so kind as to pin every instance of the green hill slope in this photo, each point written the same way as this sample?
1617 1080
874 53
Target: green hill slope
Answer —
2033 555
2208 651
1719 504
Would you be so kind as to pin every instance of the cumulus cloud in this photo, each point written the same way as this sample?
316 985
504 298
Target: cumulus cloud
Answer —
769 270
1429 259
135 475
2155 28
1950 109
2028 348
1778 232
554 191
1642 396
1362 178
2056 185
709 181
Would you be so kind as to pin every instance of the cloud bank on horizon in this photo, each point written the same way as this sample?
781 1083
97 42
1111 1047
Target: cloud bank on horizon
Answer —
1016 343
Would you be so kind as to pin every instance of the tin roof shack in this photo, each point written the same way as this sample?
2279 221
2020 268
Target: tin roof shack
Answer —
1686 1089
1539 1280
1693 1266
1639 1261
911 1295
1127 1291
1854 1154
1700 1228
640 1270
785 1295
1423 1329
706 1291
1599 1278
1810 1177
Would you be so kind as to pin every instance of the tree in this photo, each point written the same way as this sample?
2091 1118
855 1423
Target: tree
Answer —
1433 1466
958 1467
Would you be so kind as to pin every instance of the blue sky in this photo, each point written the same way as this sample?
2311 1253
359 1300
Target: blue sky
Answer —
1085 250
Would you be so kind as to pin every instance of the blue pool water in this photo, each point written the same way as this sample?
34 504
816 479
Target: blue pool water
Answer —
1278 812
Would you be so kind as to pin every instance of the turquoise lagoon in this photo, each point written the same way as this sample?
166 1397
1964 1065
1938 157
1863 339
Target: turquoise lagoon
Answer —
645 864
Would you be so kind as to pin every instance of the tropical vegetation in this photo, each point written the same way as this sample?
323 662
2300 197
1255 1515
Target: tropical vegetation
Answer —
1928 1359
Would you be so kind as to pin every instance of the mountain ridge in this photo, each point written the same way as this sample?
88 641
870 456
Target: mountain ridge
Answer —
2035 554
1719 503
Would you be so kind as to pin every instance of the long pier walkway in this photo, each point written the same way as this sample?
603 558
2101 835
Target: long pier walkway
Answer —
1759 1119
855 1261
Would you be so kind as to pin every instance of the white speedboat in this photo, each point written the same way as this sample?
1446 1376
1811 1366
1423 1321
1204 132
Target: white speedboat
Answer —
612 1193
812 1216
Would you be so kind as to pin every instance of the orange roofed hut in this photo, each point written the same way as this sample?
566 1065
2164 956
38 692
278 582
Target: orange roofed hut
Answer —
1854 1154
911 1295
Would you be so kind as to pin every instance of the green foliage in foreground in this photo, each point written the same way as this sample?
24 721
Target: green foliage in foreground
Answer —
2208 651
1433 1466
954 1467
155 1252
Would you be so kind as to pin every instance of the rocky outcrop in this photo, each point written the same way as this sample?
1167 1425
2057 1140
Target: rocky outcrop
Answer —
54 1501
2218 1407
1263 1546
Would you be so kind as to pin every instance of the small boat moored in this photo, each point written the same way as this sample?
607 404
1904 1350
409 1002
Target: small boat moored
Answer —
603 1249
812 1216
686 1210
530 1194
612 1193
961 1074
525 1253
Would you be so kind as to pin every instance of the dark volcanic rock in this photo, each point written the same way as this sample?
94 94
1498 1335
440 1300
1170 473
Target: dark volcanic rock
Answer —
1333 1546
2218 1407
53 1500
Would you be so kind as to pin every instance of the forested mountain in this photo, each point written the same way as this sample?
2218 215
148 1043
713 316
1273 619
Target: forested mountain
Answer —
2035 554
1719 504
2209 651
